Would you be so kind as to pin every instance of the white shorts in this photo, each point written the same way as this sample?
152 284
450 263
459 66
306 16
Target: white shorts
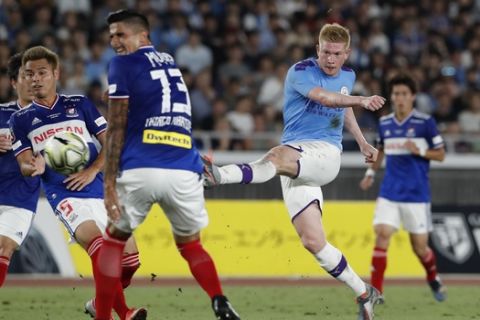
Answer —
15 223
75 211
319 164
178 192
415 216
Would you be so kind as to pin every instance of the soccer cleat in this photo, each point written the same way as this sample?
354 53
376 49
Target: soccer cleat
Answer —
90 309
367 301
136 314
438 289
211 175
223 309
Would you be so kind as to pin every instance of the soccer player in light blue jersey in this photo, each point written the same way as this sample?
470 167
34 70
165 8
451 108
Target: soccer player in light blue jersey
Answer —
409 139
18 194
152 159
77 199
317 107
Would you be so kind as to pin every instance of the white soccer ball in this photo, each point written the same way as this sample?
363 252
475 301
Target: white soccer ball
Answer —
66 152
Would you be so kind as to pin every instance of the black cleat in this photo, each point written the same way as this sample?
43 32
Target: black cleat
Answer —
438 289
223 309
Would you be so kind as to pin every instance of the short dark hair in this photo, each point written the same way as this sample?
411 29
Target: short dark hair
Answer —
405 79
13 66
129 17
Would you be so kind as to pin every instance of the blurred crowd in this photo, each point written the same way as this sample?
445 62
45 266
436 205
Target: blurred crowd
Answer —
234 54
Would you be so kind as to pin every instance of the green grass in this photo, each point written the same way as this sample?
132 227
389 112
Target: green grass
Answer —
253 303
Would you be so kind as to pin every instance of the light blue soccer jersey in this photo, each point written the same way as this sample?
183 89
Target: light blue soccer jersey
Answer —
33 126
306 119
159 127
15 190
406 175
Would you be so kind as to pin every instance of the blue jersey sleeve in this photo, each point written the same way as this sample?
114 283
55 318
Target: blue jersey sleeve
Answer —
301 78
19 134
434 138
94 121
118 78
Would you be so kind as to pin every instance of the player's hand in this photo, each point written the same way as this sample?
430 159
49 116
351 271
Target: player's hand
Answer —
111 202
411 146
78 181
372 103
38 165
366 183
369 152
5 143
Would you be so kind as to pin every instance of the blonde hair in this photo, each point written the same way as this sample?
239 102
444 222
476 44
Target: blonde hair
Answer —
333 32
40 52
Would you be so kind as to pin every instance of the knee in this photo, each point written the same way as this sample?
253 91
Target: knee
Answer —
7 250
283 158
382 237
313 243
420 250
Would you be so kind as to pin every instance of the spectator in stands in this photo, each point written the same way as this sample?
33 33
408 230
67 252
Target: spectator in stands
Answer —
194 55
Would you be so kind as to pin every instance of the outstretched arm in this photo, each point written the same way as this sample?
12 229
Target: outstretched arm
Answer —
337 100
117 125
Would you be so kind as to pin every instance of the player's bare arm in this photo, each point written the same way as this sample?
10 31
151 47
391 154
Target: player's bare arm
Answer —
367 149
5 143
117 116
429 154
31 165
369 177
78 181
337 100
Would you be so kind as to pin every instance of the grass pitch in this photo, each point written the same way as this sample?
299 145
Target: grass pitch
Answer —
253 303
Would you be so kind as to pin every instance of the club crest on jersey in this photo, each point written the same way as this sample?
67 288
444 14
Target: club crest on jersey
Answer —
71 112
451 237
344 90
410 132
387 133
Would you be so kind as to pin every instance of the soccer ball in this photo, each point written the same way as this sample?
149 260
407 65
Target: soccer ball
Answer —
66 152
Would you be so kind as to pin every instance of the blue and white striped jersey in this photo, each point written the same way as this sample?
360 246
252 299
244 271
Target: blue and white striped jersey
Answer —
15 189
33 126
406 175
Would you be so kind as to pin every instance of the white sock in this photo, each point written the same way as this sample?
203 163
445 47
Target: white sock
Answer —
255 172
333 261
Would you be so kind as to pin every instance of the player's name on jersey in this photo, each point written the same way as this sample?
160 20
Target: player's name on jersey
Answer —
161 121
159 58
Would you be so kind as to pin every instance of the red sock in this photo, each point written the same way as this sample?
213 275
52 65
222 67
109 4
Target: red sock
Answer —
130 264
429 262
202 267
379 264
107 271
4 262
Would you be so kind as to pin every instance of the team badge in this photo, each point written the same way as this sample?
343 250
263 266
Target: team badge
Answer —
71 112
344 90
410 132
451 237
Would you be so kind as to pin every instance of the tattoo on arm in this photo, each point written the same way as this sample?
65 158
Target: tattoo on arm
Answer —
117 126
